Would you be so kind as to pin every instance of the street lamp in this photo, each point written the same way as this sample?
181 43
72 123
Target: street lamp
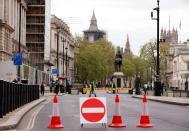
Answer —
19 43
157 83
57 55
66 67
63 41
66 61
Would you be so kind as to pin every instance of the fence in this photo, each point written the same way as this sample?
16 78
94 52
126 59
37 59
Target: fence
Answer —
177 93
13 96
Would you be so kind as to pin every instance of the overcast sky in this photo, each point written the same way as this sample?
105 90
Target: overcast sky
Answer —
121 17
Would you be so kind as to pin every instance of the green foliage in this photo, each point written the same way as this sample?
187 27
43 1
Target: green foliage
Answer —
95 60
148 53
133 65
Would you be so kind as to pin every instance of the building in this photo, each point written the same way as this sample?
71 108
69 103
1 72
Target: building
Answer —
170 37
10 21
127 46
178 66
93 33
38 34
63 41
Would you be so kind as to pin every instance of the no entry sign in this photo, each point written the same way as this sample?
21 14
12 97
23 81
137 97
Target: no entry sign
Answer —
93 110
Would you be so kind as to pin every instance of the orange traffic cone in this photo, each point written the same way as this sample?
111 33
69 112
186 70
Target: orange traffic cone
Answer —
117 120
55 121
145 120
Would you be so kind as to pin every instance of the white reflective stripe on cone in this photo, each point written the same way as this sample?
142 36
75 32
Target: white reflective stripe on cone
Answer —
145 109
117 109
56 111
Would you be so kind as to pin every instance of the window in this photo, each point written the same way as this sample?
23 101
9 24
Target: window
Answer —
187 66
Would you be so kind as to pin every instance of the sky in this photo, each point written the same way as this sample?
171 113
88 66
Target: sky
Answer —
121 17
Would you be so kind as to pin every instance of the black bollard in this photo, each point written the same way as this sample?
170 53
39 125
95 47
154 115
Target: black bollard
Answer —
1 98
10 96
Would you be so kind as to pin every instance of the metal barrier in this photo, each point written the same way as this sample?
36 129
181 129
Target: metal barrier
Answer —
178 93
13 96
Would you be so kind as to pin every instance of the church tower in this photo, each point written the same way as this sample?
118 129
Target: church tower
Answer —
127 46
93 33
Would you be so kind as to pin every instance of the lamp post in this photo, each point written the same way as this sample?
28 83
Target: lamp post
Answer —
66 67
57 55
66 61
19 43
63 40
157 83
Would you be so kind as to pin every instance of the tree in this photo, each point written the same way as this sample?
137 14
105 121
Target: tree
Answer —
132 66
148 53
95 60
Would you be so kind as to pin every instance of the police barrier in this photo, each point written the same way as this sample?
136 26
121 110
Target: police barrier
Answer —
13 96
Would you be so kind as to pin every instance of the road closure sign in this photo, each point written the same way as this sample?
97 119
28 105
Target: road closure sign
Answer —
93 110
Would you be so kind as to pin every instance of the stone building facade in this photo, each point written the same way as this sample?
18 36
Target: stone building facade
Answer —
170 36
63 41
93 33
9 28
178 66
38 34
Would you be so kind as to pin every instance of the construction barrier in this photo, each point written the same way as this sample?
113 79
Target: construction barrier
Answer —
55 118
108 89
13 95
117 118
145 119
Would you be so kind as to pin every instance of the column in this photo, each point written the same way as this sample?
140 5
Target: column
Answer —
15 19
2 9
18 16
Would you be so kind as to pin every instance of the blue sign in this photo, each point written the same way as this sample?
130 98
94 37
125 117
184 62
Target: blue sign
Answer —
55 71
17 59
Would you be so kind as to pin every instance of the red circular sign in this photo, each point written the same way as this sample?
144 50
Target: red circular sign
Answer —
93 110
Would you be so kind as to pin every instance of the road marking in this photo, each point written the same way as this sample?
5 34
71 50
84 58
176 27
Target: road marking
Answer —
93 110
34 116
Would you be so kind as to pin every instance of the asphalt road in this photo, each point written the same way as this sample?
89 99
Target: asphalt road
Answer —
164 117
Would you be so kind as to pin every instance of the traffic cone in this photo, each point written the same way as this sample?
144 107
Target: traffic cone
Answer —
117 120
145 120
55 120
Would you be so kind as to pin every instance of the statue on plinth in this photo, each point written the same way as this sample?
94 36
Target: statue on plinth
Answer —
118 61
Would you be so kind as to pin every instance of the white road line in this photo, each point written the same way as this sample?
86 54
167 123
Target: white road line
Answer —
92 110
34 116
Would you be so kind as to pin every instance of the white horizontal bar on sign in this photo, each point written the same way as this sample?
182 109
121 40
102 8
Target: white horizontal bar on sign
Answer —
93 110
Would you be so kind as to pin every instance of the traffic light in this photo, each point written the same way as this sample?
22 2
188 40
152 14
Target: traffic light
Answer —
162 40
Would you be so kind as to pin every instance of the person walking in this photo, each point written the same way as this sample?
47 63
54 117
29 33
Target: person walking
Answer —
114 87
57 86
42 88
92 90
15 80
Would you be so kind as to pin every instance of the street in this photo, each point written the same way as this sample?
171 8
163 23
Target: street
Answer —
164 117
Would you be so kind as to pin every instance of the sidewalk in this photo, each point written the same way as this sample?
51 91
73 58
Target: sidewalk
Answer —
11 120
164 99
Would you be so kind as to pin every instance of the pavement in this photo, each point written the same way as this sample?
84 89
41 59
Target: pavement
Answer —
11 120
168 100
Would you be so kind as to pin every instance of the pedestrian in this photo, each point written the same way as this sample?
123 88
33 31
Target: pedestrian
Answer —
15 80
145 88
92 90
51 86
162 88
57 86
42 86
113 87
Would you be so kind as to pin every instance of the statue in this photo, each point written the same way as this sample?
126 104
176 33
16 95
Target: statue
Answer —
118 61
